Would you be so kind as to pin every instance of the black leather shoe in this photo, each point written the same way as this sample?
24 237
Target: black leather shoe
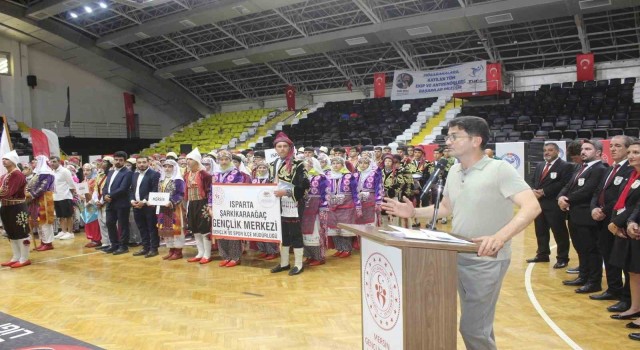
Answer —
296 271
280 268
151 254
111 249
632 325
604 296
103 248
133 244
141 252
121 250
634 336
626 317
620 306
576 282
573 270
560 264
589 288
538 258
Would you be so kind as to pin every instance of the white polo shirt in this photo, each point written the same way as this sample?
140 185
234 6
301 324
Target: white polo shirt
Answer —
63 184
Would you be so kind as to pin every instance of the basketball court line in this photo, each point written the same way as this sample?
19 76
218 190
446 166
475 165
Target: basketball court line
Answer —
56 259
540 310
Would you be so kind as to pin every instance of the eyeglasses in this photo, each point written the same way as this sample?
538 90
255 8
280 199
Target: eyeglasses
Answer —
453 137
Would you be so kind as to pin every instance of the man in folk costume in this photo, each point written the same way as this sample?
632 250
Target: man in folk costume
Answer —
40 196
13 210
292 184
197 191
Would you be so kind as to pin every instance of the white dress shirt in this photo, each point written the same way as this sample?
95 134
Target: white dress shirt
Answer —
140 176
63 184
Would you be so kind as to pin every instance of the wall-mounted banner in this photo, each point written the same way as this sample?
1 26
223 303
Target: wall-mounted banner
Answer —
466 77
247 212
512 153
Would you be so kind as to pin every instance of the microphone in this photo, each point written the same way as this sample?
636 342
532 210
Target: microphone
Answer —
440 165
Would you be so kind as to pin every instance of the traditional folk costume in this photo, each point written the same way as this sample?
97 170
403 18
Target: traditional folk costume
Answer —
344 207
88 212
268 250
171 218
14 213
392 181
41 212
314 217
370 193
98 200
230 249
198 189
291 176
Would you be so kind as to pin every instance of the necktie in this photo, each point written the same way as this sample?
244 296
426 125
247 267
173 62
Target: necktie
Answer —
606 185
545 171
575 179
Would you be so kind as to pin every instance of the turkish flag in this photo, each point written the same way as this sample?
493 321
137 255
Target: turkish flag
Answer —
39 143
494 76
379 85
290 92
129 113
585 67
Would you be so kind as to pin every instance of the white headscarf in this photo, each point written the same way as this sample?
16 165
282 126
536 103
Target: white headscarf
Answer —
215 168
43 168
365 173
315 164
176 170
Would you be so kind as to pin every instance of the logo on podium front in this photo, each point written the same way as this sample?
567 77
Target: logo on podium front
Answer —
381 291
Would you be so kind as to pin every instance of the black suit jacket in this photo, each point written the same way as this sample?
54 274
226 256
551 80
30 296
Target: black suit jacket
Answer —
612 191
631 206
148 184
119 190
580 196
558 176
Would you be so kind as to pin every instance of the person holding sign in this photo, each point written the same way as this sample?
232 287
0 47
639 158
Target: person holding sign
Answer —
314 218
170 216
144 181
268 251
344 206
230 249
88 210
39 194
198 189
292 181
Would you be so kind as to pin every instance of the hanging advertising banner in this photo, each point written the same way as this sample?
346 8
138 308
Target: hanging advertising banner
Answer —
466 77
246 212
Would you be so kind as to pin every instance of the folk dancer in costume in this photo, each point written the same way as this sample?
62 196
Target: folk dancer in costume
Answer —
91 228
344 206
171 217
198 189
370 191
13 211
98 200
292 183
323 158
268 250
39 197
417 167
314 217
230 249
392 182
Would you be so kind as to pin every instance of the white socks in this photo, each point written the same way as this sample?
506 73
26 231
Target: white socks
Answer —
200 244
284 256
207 247
46 233
297 257
15 249
24 249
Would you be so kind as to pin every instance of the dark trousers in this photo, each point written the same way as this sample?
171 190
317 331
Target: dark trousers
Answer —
146 220
292 233
613 273
115 217
585 238
554 220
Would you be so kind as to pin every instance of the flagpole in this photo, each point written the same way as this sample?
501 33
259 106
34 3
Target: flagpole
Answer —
6 129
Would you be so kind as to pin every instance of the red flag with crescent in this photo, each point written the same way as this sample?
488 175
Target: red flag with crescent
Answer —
290 92
494 76
379 85
585 67
129 112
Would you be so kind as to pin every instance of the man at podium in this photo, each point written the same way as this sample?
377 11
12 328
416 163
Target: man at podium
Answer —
480 193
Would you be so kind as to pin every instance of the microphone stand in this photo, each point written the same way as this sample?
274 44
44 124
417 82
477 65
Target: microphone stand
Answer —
436 205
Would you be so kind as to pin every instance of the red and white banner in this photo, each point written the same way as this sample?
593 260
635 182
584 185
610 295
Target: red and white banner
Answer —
379 85
290 92
494 76
606 152
40 143
585 67
129 113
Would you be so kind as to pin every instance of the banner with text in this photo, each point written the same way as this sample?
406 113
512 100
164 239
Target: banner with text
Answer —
466 77
247 212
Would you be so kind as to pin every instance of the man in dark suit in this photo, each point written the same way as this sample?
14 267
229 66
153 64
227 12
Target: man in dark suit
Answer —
549 178
143 181
602 204
116 195
575 198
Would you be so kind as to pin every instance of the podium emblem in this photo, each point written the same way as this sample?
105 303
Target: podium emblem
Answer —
381 291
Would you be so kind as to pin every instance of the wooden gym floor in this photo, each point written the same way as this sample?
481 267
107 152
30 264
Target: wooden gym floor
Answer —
126 302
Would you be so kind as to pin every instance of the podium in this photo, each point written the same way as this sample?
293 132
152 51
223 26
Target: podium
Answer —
409 291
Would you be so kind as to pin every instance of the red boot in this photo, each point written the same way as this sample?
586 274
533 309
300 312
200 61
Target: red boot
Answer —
177 254
170 254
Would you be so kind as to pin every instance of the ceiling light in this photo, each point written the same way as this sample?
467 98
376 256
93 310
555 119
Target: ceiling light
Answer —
356 41
73 15
88 9
102 5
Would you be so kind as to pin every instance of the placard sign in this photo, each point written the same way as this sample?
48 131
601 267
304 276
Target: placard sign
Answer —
82 188
159 198
249 212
